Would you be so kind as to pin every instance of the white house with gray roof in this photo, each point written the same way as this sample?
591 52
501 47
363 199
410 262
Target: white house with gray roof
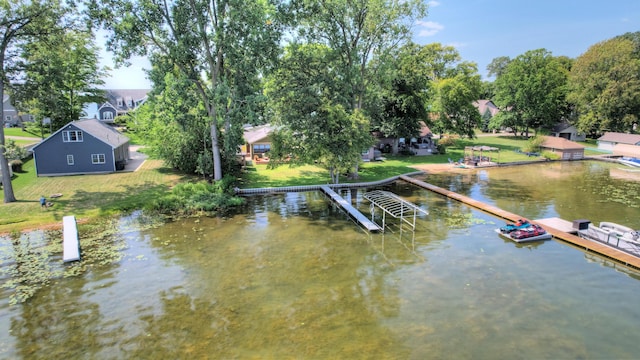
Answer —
610 139
81 147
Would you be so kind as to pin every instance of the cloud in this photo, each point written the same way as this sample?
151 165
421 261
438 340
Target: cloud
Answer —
433 3
458 45
428 28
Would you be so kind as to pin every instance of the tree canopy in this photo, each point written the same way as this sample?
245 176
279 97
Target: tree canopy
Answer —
605 85
531 92
22 22
222 47
61 75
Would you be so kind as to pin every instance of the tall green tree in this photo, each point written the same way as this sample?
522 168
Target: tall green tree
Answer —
497 66
403 86
22 22
358 31
222 46
313 123
531 92
449 86
605 86
175 125
62 74
454 99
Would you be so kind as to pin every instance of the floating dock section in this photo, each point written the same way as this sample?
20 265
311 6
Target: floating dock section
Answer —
71 241
357 215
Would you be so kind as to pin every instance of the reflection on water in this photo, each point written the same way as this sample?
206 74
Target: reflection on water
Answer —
290 276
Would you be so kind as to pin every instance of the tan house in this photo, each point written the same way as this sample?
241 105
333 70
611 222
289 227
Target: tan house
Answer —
566 149
257 142
486 108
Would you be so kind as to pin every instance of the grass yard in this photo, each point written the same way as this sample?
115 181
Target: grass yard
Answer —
16 131
260 176
85 196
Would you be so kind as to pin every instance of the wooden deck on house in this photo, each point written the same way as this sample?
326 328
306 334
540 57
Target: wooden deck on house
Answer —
71 242
549 225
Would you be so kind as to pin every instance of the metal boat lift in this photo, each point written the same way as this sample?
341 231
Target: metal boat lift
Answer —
395 206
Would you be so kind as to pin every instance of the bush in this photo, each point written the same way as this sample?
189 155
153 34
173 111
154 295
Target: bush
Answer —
16 165
533 144
550 155
192 198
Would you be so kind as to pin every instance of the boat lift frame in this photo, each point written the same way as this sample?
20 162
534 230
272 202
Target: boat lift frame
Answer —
395 206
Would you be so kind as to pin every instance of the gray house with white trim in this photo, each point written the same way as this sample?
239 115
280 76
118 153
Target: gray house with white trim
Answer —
120 102
81 147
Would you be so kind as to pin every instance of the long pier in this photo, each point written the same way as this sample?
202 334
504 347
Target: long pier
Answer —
584 244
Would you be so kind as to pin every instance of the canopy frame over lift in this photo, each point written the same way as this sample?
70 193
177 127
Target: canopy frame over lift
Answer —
393 205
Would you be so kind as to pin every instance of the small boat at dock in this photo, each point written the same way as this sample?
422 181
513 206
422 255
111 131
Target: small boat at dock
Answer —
524 232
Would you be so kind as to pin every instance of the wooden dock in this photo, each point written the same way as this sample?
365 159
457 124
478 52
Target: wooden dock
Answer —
557 223
549 225
71 241
352 211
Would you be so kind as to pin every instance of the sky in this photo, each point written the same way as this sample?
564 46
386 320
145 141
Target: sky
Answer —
482 30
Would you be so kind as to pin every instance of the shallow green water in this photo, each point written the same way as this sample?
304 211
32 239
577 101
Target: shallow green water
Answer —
292 277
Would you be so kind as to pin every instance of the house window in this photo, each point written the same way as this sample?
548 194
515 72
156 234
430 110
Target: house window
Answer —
261 148
8 118
70 160
97 158
72 136
107 115
120 102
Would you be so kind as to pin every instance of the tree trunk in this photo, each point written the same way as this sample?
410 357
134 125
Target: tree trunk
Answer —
215 147
7 186
394 147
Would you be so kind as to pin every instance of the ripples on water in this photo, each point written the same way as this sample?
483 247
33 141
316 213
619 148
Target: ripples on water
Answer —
290 276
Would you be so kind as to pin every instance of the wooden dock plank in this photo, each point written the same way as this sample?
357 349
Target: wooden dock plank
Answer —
558 223
71 242
357 215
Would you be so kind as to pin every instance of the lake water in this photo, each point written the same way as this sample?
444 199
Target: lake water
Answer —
291 276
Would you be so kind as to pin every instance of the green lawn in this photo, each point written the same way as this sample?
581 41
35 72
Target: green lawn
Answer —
85 196
262 176
16 131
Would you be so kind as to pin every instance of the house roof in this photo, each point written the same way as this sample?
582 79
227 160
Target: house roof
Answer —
484 105
124 97
424 130
626 150
101 131
255 134
620 138
559 127
97 129
559 143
